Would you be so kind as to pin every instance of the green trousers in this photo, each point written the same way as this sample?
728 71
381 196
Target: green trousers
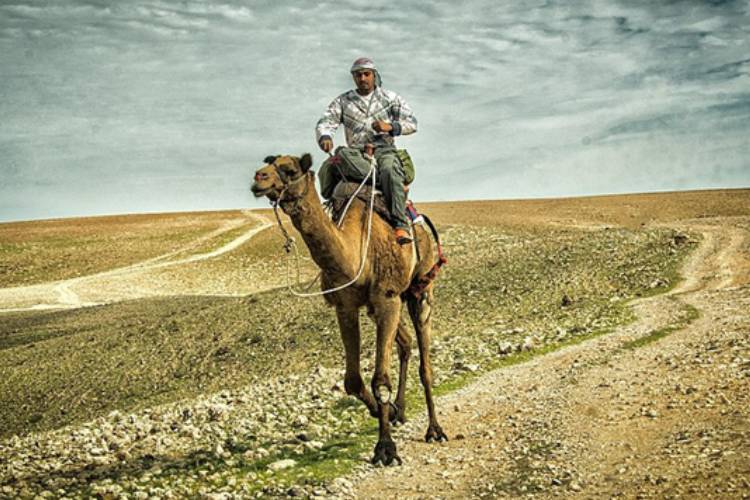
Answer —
390 180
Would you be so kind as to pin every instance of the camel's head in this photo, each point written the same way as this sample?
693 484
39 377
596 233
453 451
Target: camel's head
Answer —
279 178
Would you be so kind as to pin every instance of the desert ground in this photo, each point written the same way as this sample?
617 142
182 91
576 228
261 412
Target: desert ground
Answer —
584 347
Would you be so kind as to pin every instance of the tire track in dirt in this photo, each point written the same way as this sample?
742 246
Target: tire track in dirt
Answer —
602 419
17 299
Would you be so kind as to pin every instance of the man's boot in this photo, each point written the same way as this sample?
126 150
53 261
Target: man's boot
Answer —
402 236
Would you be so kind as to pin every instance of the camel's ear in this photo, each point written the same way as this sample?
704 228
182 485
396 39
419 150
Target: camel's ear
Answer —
270 159
305 162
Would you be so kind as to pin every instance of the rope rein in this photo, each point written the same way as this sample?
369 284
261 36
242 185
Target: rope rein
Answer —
291 243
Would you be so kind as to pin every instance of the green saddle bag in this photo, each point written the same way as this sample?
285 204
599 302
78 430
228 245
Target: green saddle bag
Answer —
407 165
358 166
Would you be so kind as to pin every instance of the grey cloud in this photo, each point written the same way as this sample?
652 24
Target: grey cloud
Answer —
523 99
734 69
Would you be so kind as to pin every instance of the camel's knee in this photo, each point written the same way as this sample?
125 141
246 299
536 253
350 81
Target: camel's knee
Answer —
425 312
383 394
381 388
420 311
404 351
353 384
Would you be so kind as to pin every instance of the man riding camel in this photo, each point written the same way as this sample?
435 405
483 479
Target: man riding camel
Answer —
371 116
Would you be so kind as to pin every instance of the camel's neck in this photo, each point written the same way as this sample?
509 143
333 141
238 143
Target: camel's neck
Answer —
322 237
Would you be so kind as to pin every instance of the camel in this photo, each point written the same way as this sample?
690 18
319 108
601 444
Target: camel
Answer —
382 288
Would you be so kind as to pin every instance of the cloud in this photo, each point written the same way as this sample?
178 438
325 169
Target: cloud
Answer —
524 99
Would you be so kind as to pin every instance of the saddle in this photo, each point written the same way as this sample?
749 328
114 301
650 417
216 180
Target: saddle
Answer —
345 190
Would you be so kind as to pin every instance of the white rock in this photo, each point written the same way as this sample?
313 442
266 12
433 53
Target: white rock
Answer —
506 348
342 483
314 445
282 464
218 411
528 344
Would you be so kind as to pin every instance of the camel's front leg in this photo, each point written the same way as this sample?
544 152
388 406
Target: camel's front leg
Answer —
353 383
403 340
387 314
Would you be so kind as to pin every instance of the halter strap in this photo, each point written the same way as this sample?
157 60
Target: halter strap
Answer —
292 203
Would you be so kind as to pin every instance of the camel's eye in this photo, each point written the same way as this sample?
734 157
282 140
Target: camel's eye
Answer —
286 167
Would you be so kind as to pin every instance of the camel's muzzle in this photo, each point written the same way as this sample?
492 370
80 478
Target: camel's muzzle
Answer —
261 185
259 191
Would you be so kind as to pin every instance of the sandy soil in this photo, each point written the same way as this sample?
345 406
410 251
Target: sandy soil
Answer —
628 210
35 252
127 282
598 420
169 273
604 418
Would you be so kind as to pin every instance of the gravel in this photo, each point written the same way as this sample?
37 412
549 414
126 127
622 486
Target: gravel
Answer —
253 440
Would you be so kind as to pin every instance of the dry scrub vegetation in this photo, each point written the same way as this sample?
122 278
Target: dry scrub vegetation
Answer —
189 395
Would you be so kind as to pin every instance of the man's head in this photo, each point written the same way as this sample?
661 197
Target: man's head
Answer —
365 75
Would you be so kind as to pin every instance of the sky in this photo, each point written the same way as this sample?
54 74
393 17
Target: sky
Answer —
158 106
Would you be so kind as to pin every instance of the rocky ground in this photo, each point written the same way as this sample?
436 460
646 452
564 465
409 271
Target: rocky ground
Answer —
546 405
612 417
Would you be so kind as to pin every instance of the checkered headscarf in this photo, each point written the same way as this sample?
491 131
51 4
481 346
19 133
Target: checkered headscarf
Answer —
366 63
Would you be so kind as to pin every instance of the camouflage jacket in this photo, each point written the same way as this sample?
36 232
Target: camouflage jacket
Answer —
352 110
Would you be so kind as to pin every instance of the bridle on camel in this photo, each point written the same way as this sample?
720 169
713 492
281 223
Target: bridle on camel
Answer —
289 241
290 244
287 184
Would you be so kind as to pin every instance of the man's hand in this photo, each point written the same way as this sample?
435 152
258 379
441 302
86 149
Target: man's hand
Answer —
382 126
326 144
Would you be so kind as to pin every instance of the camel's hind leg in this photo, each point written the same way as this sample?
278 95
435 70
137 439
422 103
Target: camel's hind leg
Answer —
403 340
353 383
420 311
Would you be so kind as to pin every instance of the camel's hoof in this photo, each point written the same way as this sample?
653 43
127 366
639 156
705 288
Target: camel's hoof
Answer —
435 433
385 453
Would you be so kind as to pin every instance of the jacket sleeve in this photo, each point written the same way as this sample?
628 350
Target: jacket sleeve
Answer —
330 120
404 121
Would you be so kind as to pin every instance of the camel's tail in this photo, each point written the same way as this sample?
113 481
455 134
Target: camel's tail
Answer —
418 288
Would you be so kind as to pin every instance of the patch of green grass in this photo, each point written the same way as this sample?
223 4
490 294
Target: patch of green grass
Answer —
186 476
336 458
687 316
465 378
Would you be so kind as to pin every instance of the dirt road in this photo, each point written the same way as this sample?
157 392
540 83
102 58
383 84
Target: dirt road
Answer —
664 416
124 283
